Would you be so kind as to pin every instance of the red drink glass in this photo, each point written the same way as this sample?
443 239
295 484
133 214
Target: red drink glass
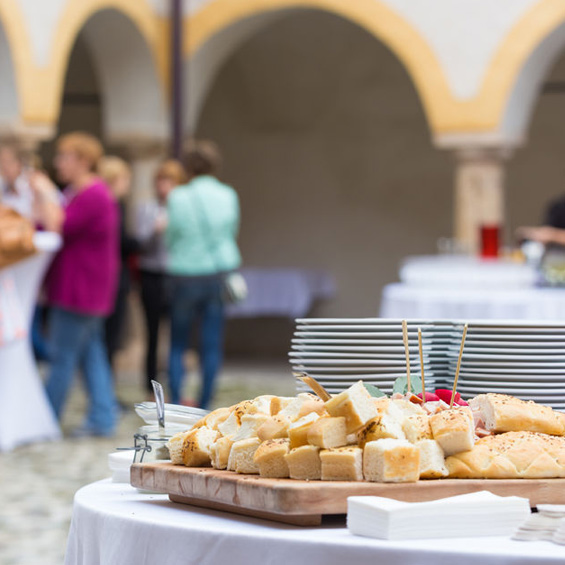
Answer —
490 235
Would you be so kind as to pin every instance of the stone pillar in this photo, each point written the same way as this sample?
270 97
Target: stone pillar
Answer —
28 139
479 193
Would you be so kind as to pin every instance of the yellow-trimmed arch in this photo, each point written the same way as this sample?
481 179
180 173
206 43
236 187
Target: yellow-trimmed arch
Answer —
40 95
374 16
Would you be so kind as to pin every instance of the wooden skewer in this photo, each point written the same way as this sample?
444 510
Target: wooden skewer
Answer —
458 365
407 350
422 364
314 385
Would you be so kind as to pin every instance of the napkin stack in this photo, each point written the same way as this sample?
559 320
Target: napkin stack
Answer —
468 515
548 524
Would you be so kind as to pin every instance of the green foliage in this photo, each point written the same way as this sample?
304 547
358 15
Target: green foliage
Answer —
401 385
374 391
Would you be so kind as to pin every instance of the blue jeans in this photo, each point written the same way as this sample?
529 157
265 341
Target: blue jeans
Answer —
78 341
196 299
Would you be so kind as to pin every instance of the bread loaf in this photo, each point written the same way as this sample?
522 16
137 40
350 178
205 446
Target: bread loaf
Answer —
270 457
304 463
342 464
501 413
355 404
511 455
391 461
454 429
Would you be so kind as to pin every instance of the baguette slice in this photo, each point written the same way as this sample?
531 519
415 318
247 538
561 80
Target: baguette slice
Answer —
454 429
501 413
196 447
328 432
342 464
511 455
241 456
391 461
220 452
304 463
355 404
270 457
432 460
174 445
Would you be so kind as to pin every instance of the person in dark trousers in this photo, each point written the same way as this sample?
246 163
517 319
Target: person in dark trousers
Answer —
151 221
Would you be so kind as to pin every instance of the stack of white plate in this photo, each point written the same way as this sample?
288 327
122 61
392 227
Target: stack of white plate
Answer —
524 359
337 352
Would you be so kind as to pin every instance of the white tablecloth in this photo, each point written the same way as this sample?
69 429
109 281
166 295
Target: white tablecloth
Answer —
25 413
288 293
406 301
114 524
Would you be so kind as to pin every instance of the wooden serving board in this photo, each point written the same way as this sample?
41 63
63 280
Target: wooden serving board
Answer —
305 502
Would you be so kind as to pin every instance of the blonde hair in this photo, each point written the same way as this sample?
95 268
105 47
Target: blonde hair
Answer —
173 170
111 168
85 145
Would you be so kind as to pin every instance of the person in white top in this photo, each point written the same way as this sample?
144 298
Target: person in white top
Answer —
15 189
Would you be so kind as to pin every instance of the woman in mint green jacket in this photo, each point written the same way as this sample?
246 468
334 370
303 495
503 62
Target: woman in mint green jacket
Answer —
203 222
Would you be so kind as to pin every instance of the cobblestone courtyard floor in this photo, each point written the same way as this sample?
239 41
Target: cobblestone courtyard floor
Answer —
38 482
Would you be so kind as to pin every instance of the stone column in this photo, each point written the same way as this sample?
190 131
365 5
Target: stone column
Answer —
479 193
27 139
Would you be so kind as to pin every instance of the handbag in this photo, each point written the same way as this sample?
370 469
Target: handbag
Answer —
16 237
234 287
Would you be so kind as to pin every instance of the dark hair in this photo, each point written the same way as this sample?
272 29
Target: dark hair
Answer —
202 158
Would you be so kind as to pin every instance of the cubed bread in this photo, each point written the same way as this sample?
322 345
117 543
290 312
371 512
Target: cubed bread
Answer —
174 445
196 447
301 406
278 403
417 428
304 463
275 427
261 405
342 464
242 454
298 431
250 423
328 432
216 417
220 452
355 404
381 427
270 457
432 460
454 429
230 426
391 461
407 408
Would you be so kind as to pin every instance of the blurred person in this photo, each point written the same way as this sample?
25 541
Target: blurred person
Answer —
151 221
15 189
82 282
552 232
117 175
201 244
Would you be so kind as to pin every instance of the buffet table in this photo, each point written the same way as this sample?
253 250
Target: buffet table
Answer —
114 523
25 413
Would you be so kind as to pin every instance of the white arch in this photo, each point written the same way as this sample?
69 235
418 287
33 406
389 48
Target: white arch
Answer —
132 94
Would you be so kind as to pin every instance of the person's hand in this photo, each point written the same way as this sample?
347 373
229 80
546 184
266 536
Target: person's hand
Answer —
42 186
543 234
161 222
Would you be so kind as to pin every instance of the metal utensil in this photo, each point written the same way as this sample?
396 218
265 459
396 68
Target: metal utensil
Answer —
160 403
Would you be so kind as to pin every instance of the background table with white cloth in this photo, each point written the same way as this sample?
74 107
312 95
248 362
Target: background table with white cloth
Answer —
470 288
114 523
25 413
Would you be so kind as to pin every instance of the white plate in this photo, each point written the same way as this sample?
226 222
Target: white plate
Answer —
495 358
525 331
333 335
541 374
510 344
384 321
488 353
524 385
558 396
469 363
378 342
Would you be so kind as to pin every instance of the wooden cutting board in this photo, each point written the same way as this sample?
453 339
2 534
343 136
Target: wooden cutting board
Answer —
305 502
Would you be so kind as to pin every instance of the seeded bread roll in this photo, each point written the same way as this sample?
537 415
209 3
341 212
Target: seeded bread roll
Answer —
381 427
454 429
355 404
196 447
174 445
275 427
304 463
432 460
328 433
220 452
501 413
241 456
417 428
270 457
391 461
342 464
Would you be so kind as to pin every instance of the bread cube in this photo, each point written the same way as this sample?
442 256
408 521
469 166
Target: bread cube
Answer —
275 427
230 426
342 464
454 429
270 457
432 460
355 404
175 446
196 447
417 428
241 456
298 431
380 427
391 461
250 423
220 452
328 432
304 463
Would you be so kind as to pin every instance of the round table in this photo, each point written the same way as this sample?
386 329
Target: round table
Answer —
114 523
25 412
401 300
